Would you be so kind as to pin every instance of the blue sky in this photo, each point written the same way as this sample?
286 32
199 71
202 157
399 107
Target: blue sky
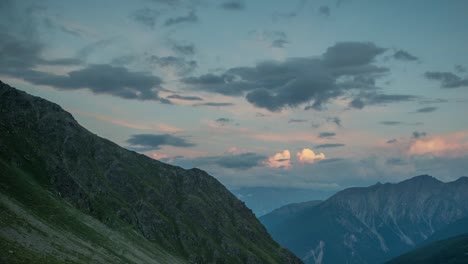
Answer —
306 94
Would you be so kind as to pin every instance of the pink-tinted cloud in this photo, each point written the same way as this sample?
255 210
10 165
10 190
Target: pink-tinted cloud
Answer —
452 145
280 160
309 156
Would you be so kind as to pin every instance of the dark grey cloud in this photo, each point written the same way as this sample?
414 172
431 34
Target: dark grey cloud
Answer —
417 134
330 145
324 10
181 65
186 98
215 104
404 56
332 160
146 17
391 141
274 85
374 98
191 17
292 120
102 79
145 142
235 5
428 109
447 79
185 49
223 120
326 134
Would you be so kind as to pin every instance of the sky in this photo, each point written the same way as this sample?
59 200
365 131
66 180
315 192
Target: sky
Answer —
316 95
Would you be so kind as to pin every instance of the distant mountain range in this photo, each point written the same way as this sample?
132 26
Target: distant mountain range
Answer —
69 196
372 224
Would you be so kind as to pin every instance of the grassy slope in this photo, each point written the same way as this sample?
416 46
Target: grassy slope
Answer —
38 227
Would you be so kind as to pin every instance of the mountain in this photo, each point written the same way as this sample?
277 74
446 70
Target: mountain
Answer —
449 251
67 195
458 227
285 213
372 224
263 200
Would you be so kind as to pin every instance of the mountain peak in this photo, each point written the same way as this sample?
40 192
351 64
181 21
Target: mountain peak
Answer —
422 179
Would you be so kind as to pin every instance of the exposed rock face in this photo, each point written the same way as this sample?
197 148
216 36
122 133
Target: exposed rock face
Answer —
373 224
187 213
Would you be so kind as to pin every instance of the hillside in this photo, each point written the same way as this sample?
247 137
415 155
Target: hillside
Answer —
449 251
68 195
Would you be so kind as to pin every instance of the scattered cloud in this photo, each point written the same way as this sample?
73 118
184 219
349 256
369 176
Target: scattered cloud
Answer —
404 56
185 49
145 142
185 98
391 141
146 17
292 120
191 17
396 162
460 68
309 156
447 79
179 64
215 104
428 109
280 160
324 10
274 85
331 145
335 120
417 134
452 145
223 120
326 134
234 5
374 98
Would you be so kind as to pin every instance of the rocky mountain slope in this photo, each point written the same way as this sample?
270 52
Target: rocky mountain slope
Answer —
67 195
373 224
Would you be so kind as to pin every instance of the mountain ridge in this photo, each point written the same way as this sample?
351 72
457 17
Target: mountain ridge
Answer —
372 224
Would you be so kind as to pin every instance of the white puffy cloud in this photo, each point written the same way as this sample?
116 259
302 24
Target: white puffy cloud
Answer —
280 160
309 156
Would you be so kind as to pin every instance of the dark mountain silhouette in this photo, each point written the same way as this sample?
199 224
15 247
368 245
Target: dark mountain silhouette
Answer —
69 196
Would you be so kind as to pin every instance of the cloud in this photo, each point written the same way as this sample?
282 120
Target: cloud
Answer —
292 120
215 104
452 145
428 109
326 134
275 38
223 120
460 68
179 64
185 98
391 141
308 156
274 85
191 17
447 79
417 134
324 10
146 17
391 123
373 98
234 5
185 49
280 160
404 56
335 120
396 162
102 79
145 142
331 145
